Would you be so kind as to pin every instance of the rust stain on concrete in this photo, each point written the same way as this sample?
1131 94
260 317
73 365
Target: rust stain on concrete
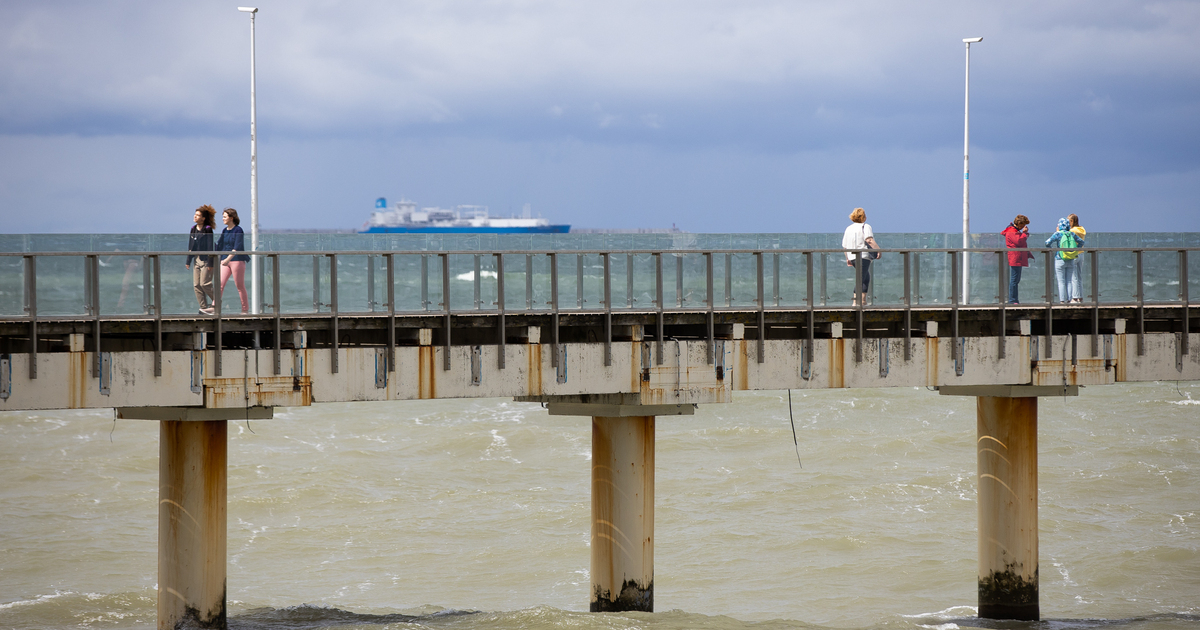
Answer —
534 376
837 363
425 372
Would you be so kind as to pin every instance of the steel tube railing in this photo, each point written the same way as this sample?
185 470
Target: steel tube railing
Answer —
904 294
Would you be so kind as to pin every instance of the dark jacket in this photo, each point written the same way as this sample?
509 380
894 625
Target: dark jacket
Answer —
233 240
200 239
1016 239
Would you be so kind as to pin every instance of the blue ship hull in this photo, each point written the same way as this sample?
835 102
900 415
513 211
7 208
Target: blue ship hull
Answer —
543 229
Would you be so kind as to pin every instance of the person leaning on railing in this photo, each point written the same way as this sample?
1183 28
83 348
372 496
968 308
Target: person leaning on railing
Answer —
201 240
1016 236
860 236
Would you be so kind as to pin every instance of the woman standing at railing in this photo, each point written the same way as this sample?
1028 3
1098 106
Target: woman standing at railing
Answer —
1016 236
860 236
201 240
1066 265
233 240
1077 280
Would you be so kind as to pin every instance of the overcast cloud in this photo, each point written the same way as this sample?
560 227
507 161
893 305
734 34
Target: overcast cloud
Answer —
713 116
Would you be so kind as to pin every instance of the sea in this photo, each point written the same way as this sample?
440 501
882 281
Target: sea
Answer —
801 509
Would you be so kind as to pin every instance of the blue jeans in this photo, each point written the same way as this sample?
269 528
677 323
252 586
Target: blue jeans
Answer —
1070 285
1014 278
866 276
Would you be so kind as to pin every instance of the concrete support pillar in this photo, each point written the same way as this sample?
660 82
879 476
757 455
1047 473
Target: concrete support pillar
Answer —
622 513
192 524
1008 507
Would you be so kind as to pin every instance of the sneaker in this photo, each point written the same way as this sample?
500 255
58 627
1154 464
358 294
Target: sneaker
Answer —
206 311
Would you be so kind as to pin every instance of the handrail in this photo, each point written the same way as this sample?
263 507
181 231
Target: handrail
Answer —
522 252
761 302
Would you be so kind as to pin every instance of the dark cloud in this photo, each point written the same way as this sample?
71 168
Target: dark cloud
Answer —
683 108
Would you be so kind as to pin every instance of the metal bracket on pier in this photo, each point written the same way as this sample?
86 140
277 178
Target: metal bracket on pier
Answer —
5 376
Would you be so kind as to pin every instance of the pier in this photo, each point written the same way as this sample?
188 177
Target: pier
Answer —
621 337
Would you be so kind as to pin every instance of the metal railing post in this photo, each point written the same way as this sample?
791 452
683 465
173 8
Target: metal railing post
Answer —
708 301
762 315
1049 354
579 281
277 310
679 280
31 309
425 303
156 304
554 308
629 280
1002 297
333 311
1141 303
371 283
954 300
824 278
1095 303
316 284
907 307
810 334
445 259
500 326
860 297
529 282
607 310
1184 299
476 281
728 279
775 278
147 286
658 302
93 271
390 259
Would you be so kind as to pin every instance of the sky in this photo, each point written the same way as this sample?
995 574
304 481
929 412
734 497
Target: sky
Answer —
709 116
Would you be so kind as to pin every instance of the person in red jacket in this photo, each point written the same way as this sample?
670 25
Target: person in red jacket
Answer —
1015 237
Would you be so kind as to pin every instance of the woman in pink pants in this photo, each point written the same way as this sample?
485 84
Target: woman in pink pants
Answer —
233 240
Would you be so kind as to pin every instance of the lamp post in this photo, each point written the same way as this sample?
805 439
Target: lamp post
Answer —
255 289
966 276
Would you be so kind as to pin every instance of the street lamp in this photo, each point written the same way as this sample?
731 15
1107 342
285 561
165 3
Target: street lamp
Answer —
966 277
255 289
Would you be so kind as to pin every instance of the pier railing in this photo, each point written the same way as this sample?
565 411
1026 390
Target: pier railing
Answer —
139 284
88 288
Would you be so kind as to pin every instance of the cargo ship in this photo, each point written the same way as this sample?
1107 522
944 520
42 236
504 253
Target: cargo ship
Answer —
403 217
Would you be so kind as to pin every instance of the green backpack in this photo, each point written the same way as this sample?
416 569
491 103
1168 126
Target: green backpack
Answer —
1068 241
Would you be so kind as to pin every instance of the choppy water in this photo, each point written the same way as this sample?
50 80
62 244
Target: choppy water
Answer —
475 514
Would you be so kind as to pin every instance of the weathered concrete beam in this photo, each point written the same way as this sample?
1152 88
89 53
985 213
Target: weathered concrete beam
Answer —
1008 391
622 514
532 371
619 411
194 414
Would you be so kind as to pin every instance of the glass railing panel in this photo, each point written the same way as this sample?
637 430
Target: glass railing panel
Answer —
593 281
1193 273
12 286
1160 276
61 282
793 281
541 279
694 293
643 282
743 291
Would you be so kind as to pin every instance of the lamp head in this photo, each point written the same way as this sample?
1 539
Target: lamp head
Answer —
969 40
255 10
